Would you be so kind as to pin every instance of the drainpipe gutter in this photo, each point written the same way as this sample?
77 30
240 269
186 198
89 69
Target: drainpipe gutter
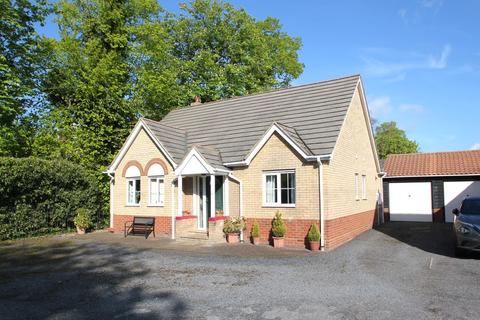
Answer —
322 210
173 208
241 198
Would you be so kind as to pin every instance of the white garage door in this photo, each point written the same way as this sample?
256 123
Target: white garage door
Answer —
455 192
410 201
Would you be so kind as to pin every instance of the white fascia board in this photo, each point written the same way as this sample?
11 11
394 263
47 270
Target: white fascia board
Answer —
133 135
369 124
198 155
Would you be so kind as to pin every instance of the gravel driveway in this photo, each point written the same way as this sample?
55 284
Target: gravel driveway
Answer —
393 273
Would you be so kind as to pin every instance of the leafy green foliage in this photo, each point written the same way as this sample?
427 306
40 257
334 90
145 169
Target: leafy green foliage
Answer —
313 233
40 196
234 225
255 229
212 50
279 229
20 72
392 140
83 219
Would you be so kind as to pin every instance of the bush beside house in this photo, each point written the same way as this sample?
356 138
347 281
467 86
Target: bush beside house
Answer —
41 196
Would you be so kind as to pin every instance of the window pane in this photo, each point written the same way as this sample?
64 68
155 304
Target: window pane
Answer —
161 191
130 192
292 195
137 191
284 178
291 179
284 193
153 191
271 189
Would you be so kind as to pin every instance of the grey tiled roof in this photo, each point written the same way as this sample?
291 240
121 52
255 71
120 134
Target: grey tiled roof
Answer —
312 115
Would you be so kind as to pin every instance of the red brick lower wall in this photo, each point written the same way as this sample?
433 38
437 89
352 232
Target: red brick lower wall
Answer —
341 230
296 231
163 225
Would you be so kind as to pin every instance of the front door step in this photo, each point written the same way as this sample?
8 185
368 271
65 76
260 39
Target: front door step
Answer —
198 235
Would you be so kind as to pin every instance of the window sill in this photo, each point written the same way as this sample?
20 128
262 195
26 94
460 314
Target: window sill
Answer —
132 205
265 205
156 205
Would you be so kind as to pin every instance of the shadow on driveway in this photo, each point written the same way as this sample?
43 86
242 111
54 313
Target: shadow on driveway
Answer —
71 280
435 238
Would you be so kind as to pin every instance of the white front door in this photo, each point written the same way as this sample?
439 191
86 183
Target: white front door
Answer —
455 192
202 208
410 201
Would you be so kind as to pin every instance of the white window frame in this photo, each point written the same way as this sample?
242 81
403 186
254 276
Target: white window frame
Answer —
160 191
357 187
364 187
277 204
134 179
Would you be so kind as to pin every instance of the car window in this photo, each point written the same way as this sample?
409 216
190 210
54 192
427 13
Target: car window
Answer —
471 206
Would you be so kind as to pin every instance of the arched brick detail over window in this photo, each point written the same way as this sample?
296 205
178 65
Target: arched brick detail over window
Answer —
160 162
133 163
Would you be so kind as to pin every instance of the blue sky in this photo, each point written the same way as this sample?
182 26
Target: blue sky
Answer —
419 59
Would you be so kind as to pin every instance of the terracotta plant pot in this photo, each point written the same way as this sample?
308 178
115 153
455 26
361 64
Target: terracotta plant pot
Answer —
256 240
80 230
233 238
314 245
278 242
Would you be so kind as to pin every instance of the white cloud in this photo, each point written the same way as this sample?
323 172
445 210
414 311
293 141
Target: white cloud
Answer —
433 4
476 146
394 65
441 62
380 105
403 14
415 108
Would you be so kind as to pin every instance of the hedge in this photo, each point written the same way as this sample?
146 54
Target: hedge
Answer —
40 196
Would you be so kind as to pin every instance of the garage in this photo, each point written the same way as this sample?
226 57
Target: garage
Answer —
455 192
426 187
410 201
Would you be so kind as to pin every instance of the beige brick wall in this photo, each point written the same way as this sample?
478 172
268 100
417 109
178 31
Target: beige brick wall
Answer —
353 154
143 149
277 155
234 197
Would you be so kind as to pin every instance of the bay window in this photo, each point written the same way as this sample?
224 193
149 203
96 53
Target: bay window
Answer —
279 188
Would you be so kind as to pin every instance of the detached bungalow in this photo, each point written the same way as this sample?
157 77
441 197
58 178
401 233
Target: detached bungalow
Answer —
307 151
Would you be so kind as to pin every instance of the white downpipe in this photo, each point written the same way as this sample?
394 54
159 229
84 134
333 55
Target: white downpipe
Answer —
322 217
173 209
241 199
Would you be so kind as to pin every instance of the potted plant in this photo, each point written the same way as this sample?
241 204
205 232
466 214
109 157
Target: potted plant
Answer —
186 212
219 213
255 233
232 228
82 220
313 238
279 229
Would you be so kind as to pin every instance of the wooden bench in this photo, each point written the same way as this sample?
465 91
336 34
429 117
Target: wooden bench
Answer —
143 225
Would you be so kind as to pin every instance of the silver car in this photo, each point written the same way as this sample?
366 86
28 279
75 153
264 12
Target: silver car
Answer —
467 225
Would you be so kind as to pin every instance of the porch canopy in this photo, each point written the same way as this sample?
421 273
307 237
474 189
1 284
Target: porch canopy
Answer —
202 161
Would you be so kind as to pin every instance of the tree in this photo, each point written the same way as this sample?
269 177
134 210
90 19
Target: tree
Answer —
392 140
20 72
212 50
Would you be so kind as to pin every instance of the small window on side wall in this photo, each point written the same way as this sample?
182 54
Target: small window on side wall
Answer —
357 191
133 185
364 187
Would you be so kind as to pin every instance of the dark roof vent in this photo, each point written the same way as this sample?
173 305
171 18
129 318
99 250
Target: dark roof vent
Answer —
196 101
